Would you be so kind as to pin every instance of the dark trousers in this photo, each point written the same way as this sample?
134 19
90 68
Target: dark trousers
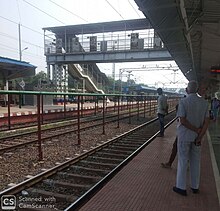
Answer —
174 152
161 121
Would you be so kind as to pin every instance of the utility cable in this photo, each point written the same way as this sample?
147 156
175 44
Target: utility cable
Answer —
8 36
28 53
134 8
43 12
25 27
8 20
115 9
15 49
68 11
14 38
37 31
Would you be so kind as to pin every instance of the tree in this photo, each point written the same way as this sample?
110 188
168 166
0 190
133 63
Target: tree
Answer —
39 78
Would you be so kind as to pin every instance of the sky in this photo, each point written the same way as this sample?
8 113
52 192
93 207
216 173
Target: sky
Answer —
33 15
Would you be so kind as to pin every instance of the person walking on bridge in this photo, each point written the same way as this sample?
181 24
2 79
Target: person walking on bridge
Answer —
193 122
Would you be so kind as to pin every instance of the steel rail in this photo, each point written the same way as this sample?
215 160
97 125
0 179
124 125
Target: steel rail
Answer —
46 122
85 119
86 196
81 200
2 150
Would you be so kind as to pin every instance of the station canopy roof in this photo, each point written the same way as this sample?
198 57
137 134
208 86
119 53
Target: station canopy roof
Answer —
190 30
102 27
11 68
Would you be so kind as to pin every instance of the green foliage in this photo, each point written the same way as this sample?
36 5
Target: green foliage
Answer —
34 80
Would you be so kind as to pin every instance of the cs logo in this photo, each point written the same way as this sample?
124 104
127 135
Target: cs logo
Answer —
8 202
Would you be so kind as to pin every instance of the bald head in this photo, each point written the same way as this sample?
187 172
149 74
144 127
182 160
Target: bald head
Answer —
192 87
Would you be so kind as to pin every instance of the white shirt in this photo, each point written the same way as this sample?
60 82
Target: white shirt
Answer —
162 104
195 109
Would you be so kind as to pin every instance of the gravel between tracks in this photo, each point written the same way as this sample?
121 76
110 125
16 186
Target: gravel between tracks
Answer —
15 166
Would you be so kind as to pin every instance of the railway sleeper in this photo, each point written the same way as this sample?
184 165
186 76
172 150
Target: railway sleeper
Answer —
136 138
110 155
141 133
108 160
116 150
5 145
89 179
18 145
139 138
98 164
27 138
145 134
52 182
93 171
17 142
132 143
123 148
58 196
126 145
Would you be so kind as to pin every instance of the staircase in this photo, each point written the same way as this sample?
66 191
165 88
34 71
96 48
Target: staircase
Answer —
76 71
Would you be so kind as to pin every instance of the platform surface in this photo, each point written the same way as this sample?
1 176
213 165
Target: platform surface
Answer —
143 185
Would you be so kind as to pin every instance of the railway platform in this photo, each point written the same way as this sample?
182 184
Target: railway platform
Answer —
143 185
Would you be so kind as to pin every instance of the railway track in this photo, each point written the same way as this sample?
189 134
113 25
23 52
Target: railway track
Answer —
17 122
12 142
70 184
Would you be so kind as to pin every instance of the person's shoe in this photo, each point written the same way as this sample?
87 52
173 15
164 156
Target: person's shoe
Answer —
195 190
180 191
166 165
160 135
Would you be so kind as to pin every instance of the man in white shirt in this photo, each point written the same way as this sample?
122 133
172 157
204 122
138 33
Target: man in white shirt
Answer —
193 122
162 109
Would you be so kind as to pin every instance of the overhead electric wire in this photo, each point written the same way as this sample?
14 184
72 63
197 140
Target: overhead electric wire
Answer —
9 47
69 11
27 53
134 8
8 20
36 56
12 51
38 46
8 36
24 26
114 9
43 12
32 29
36 31
11 37
50 16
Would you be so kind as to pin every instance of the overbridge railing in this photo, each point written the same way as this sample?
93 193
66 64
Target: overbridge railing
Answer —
103 42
